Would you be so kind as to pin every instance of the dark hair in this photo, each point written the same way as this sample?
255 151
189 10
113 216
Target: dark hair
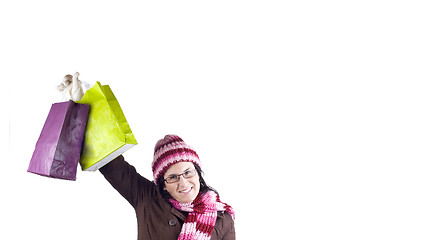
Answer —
202 190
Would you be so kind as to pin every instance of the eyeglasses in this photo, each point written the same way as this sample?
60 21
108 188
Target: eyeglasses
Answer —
173 178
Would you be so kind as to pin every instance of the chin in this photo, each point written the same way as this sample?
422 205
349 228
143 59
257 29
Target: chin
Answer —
186 199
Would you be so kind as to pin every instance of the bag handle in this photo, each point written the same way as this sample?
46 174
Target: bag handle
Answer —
72 88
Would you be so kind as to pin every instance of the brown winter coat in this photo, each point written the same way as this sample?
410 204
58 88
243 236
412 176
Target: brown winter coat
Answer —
156 218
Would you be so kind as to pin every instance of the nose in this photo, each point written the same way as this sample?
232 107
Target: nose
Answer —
182 181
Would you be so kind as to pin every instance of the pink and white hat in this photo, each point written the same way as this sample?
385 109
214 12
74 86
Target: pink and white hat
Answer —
170 150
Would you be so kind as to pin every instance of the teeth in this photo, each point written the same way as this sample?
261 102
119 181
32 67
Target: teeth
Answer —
186 190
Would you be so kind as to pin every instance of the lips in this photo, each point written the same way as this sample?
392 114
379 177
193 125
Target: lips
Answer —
187 190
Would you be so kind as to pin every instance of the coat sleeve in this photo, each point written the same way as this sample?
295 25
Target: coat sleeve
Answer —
125 179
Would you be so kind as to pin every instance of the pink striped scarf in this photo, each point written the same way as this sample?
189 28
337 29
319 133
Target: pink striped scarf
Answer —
200 222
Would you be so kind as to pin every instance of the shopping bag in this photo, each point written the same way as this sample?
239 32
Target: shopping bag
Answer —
58 148
108 133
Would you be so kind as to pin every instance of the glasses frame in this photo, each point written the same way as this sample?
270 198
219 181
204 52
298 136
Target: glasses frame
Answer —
182 174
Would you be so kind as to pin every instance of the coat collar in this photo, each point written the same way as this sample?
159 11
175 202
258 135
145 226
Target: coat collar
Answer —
177 213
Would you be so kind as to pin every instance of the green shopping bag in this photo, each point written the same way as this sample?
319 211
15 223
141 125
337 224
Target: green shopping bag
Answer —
108 134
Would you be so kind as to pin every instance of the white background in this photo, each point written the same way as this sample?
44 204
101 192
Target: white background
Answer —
308 115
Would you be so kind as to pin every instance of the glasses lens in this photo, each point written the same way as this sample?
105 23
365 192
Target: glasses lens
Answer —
172 179
189 174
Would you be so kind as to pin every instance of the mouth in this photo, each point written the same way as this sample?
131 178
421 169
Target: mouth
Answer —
187 190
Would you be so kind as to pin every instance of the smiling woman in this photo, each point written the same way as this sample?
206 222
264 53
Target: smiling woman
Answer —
178 204
203 187
183 189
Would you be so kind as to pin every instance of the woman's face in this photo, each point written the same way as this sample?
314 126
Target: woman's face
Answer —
184 190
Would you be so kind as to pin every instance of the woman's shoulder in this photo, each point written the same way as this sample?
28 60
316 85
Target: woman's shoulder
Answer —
224 220
225 216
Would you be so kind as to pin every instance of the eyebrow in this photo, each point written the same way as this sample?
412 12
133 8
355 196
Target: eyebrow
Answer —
177 174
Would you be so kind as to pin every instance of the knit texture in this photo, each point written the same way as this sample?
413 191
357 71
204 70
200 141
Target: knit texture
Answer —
200 221
170 150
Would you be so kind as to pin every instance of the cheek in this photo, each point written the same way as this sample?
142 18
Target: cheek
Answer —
171 189
197 184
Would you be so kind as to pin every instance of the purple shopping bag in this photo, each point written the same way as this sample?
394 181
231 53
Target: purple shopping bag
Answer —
58 148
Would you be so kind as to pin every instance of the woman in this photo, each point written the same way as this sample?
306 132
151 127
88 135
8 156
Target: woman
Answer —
178 204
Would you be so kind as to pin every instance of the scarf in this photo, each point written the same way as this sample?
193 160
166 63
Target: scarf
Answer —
200 222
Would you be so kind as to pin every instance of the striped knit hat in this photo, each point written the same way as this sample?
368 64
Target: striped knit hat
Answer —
170 150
